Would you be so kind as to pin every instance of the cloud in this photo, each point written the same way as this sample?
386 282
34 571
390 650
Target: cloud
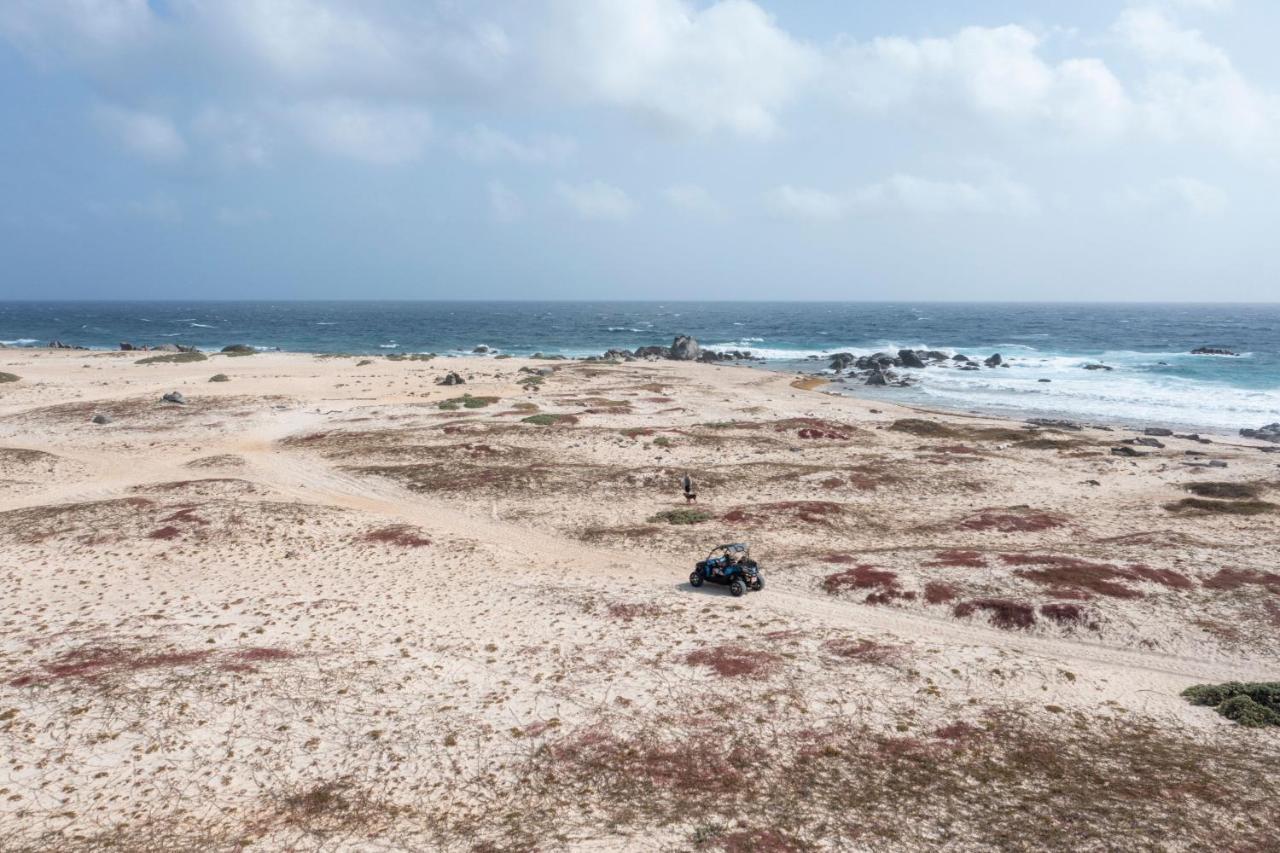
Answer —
54 31
237 138
693 199
486 145
596 201
909 194
1197 197
996 73
504 204
148 135
727 66
381 135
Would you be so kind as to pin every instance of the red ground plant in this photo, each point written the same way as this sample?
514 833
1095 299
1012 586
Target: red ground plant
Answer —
1231 579
937 592
865 576
732 661
166 532
398 534
1013 520
1067 614
1071 573
957 559
865 651
1005 614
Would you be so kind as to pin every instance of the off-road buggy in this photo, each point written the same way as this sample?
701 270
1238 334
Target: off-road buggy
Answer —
731 566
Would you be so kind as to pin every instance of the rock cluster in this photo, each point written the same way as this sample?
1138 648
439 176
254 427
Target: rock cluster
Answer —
1270 432
451 378
877 368
1212 351
683 348
125 346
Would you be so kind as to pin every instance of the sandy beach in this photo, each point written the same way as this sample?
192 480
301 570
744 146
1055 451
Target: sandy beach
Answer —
330 604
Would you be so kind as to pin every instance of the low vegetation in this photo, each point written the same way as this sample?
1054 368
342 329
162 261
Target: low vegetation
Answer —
1230 491
174 358
1249 704
219 377
1221 507
547 419
8 377
680 516
466 401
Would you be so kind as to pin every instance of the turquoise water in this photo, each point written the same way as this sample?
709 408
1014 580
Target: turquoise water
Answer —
1155 378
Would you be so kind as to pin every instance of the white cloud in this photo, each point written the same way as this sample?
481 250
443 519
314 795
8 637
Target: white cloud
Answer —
148 135
238 139
383 135
486 145
504 204
994 72
906 193
725 66
84 30
596 200
694 199
1197 197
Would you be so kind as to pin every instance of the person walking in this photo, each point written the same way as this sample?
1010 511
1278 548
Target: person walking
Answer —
686 483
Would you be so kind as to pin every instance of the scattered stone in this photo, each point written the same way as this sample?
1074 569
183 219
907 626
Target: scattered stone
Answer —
1147 442
1098 367
101 419
175 397
219 377
1126 451
239 348
1270 432
910 359
685 348
1158 432
994 361
451 378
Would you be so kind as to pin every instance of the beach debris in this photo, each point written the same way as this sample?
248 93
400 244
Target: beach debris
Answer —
101 419
1212 351
175 397
451 378
1270 432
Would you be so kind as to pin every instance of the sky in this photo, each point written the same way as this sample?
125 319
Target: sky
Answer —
640 149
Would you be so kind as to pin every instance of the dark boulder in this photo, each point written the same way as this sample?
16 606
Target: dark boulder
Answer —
842 360
451 378
934 355
652 352
125 346
994 361
239 348
1212 351
1126 451
878 377
909 358
684 348
959 358
1158 432
480 350
101 419
1098 367
1270 432
1054 423
175 397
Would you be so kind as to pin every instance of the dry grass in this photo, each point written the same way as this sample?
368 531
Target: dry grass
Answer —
1218 507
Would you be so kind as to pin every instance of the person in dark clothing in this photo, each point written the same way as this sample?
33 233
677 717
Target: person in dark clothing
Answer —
686 483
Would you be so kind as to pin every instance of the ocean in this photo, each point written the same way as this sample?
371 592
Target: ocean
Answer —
1155 379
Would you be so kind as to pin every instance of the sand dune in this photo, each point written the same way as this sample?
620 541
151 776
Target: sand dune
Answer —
329 604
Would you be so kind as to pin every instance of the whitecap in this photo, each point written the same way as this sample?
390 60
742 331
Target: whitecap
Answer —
201 326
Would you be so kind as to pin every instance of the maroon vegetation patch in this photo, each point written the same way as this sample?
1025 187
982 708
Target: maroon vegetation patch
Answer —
808 432
937 592
1004 613
1065 613
864 576
627 612
732 661
1017 520
957 559
1101 578
166 532
1231 579
865 651
403 535
808 512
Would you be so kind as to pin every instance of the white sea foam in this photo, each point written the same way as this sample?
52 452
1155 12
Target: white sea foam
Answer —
202 326
20 342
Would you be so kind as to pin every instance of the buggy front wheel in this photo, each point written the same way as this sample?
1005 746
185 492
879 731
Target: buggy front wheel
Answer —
758 585
695 579
737 588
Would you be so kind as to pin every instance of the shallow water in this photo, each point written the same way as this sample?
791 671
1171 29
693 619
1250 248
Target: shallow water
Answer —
1155 379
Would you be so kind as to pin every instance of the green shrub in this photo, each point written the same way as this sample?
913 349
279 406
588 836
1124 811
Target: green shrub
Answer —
1221 507
1247 703
173 358
1223 490
662 441
219 377
681 516
8 377
364 361
466 401
549 420
413 356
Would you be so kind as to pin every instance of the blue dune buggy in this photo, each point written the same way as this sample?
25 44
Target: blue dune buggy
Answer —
731 566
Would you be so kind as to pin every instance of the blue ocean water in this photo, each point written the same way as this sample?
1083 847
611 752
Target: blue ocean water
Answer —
1155 379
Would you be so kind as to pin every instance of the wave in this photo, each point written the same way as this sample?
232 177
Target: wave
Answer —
202 326
20 342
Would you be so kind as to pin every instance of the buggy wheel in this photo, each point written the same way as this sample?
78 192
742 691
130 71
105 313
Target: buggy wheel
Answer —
695 579
759 584
737 587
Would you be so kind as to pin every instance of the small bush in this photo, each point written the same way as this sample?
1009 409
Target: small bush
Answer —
219 377
662 441
958 559
413 356
923 428
1249 704
8 377
398 534
173 358
681 516
732 661
1221 507
466 401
